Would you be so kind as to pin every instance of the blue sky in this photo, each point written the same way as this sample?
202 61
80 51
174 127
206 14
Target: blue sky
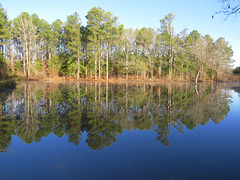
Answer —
191 14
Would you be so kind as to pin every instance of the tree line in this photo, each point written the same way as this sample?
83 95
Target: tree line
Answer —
33 48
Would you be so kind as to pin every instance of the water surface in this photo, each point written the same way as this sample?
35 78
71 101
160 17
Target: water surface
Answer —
120 131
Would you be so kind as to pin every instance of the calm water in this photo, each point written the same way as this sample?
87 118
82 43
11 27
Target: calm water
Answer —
120 131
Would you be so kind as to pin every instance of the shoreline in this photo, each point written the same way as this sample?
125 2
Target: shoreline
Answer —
130 80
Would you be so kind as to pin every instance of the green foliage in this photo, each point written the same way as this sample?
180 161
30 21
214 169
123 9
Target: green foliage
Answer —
4 26
105 48
193 36
18 66
69 65
103 112
55 65
7 128
237 70
38 65
3 68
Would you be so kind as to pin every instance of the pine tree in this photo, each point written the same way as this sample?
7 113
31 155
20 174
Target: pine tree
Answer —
4 27
95 23
73 36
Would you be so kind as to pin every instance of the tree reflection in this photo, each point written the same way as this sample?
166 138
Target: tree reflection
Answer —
103 111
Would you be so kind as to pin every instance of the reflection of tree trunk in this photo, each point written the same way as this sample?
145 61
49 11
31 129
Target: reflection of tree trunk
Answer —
27 102
99 92
126 103
18 102
170 66
107 96
86 88
90 89
78 93
25 97
169 99
151 92
99 99
159 94
13 100
127 65
95 97
1 108
196 89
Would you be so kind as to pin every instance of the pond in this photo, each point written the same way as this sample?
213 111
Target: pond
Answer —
120 131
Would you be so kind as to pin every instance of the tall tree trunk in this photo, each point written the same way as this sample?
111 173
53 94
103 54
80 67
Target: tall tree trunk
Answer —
38 52
42 54
17 50
11 56
24 59
160 68
127 64
99 62
83 60
91 74
78 68
27 61
151 65
107 62
95 67
182 71
107 96
95 63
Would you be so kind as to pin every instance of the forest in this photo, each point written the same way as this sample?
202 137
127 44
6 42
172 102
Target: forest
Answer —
32 48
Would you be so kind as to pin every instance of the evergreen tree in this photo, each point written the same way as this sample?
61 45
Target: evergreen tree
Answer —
73 37
4 27
95 23
167 33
